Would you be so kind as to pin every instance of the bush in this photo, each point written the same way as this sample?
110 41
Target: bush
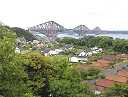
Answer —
90 74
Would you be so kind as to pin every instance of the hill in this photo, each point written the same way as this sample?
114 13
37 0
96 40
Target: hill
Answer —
23 33
97 29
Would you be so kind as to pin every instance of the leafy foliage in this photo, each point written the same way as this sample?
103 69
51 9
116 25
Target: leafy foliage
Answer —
67 82
90 74
23 33
32 73
118 90
117 45
38 68
66 88
13 79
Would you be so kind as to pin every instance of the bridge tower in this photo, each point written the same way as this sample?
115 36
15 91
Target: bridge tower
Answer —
50 29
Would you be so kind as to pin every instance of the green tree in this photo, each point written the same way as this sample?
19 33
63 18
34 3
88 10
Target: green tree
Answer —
66 88
67 82
67 40
118 90
39 69
120 45
23 33
13 79
90 74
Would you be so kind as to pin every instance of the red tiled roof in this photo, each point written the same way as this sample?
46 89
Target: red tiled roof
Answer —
123 73
117 78
101 63
104 83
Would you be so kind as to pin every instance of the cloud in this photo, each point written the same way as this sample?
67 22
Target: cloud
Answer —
108 14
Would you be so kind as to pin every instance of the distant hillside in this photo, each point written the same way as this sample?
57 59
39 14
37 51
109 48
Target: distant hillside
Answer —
97 29
23 33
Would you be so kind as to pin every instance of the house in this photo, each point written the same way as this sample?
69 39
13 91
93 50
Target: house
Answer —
68 47
89 54
122 56
82 54
76 59
49 52
108 57
103 84
99 50
95 52
94 48
123 73
117 78
121 67
109 71
36 42
45 52
17 50
97 92
100 64
59 50
40 45
55 52
121 76
52 52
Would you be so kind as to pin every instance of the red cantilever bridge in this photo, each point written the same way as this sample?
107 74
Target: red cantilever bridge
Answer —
49 29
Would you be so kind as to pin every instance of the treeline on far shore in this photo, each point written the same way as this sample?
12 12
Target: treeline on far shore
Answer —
105 42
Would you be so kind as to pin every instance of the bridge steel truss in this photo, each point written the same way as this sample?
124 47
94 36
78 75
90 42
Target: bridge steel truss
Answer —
81 29
50 29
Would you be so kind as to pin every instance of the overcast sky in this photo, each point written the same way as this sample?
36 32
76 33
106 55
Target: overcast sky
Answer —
107 14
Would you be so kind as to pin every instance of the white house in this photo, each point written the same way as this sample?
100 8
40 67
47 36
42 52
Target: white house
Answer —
97 92
59 50
94 48
100 50
97 49
53 52
82 54
78 59
17 50
36 42
94 52
40 45
89 54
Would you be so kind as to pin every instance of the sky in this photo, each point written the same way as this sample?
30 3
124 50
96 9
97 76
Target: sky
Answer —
107 14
